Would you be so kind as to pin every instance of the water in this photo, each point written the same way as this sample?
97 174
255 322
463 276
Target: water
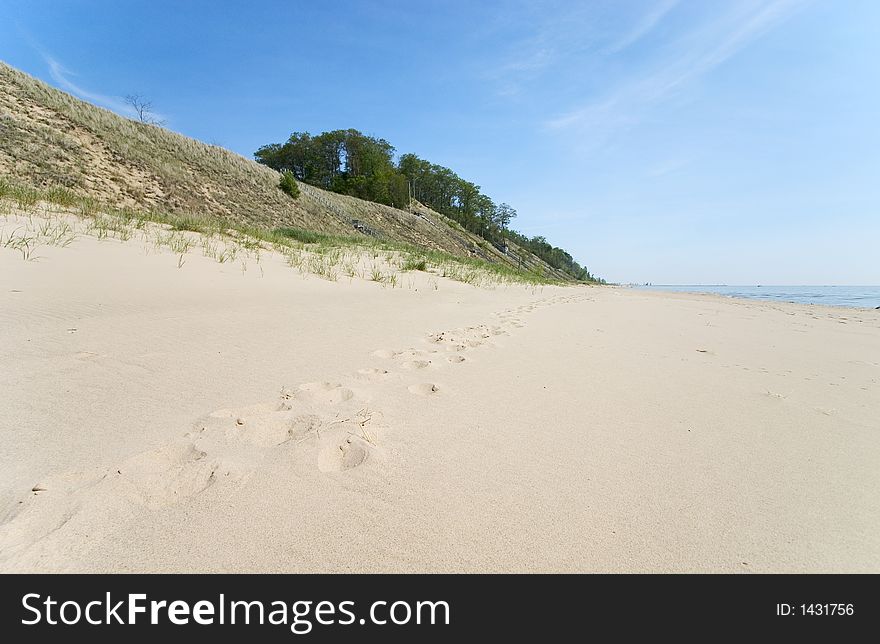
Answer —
853 296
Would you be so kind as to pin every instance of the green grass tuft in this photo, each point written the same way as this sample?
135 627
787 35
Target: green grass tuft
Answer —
300 235
288 184
194 224
415 264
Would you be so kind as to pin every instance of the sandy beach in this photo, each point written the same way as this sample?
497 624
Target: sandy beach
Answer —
166 418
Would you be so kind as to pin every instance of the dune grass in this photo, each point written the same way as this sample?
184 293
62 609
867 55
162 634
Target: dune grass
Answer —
415 264
323 254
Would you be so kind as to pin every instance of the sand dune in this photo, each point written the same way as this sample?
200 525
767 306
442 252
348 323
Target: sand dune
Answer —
204 418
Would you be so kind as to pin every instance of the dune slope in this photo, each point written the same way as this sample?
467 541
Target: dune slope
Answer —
49 139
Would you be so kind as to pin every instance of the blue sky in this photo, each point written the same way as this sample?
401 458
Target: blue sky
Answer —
671 141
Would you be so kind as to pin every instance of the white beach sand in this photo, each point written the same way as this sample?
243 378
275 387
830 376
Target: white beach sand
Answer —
208 419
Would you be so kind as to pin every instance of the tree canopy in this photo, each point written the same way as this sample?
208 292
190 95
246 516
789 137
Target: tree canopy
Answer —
352 163
344 161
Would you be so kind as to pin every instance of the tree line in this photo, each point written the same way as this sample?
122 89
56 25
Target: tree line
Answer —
351 163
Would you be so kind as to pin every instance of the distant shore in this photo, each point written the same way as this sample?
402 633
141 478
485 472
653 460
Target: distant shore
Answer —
177 415
863 297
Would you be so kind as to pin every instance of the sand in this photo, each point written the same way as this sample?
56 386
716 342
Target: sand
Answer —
206 418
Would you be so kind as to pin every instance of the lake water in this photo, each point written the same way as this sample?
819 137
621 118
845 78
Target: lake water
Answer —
854 296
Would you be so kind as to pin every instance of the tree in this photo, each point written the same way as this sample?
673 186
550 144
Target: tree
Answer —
143 108
272 155
288 184
352 163
504 214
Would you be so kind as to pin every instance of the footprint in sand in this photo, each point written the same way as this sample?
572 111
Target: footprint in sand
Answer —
456 358
424 389
413 354
171 474
470 337
344 455
155 479
328 393
385 353
302 427
225 446
372 372
416 364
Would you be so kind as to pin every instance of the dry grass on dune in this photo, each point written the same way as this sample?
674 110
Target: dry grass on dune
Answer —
33 220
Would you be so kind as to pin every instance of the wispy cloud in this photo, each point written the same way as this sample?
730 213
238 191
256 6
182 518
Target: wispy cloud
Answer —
643 27
549 34
61 76
694 55
561 37
512 74
668 166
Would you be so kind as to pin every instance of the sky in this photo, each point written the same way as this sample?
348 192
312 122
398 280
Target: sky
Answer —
663 141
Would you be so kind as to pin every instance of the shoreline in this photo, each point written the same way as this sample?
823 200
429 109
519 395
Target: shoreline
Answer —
660 289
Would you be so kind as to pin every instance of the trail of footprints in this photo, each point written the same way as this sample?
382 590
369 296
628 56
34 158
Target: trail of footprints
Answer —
335 425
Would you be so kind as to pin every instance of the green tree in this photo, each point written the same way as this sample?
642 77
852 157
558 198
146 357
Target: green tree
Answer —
504 214
352 163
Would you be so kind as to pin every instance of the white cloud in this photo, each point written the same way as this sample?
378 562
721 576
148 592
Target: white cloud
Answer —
561 36
695 54
555 34
61 76
643 27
